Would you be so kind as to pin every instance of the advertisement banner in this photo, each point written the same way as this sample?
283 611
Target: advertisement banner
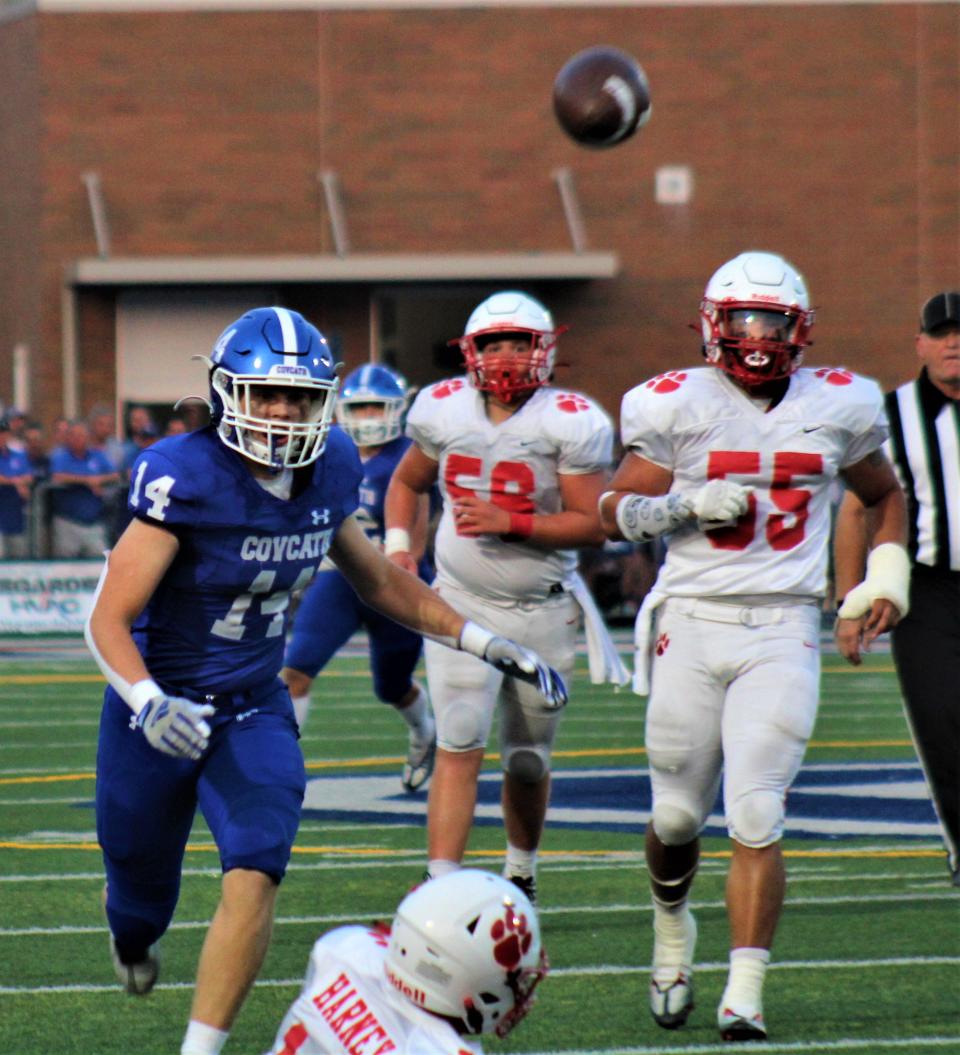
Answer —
47 596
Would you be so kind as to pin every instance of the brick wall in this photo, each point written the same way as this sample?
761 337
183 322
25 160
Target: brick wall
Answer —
830 133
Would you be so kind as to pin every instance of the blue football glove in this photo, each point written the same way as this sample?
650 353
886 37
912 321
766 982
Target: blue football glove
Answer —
176 726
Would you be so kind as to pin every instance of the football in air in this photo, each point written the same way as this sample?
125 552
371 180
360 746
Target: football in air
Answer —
601 97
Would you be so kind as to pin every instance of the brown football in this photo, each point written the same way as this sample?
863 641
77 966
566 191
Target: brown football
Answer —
601 97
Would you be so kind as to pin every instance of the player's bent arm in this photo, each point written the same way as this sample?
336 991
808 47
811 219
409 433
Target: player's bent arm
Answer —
133 571
405 506
878 602
578 524
390 589
406 599
851 533
634 476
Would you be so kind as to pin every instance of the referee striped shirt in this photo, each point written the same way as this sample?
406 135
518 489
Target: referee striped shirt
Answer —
924 446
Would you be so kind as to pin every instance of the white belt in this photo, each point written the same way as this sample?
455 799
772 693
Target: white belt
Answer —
742 615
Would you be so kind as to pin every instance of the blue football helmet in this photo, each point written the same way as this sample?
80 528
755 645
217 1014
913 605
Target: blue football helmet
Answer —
372 385
269 348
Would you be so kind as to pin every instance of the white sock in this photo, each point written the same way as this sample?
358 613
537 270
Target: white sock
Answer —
748 967
675 934
201 1039
520 862
438 867
301 708
418 716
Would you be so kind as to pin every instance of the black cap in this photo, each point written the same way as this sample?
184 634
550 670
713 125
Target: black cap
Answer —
4 424
942 309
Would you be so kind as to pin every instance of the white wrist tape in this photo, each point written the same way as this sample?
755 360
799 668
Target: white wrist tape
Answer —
642 518
474 639
141 693
888 576
396 540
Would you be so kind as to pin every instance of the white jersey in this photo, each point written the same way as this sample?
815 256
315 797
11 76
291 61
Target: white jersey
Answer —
515 464
701 426
348 1007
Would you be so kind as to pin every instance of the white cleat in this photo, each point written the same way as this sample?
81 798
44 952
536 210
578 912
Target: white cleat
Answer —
136 978
671 998
419 763
739 1023
671 985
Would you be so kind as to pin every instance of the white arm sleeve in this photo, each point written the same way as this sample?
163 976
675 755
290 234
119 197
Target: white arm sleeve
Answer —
136 695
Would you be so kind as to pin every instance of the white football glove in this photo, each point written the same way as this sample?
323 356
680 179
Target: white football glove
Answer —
717 502
888 576
176 726
516 661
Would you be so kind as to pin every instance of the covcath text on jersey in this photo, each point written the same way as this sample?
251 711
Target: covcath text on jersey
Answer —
311 546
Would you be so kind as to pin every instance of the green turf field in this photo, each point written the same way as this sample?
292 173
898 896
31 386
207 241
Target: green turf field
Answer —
867 957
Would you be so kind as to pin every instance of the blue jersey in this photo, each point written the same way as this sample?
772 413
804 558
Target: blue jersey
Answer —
377 471
217 620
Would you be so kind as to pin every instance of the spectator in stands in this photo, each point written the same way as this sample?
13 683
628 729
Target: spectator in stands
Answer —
58 438
103 434
35 448
82 475
142 432
16 423
176 426
15 480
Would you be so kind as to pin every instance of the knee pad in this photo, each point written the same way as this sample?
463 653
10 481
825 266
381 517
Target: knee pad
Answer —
259 834
675 825
756 819
460 728
529 764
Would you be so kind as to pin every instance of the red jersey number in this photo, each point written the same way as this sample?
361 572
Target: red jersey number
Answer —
783 530
511 483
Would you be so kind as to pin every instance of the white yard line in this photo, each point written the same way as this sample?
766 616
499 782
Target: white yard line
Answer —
546 910
589 971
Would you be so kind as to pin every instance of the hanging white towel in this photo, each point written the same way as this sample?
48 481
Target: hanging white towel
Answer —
602 656
643 640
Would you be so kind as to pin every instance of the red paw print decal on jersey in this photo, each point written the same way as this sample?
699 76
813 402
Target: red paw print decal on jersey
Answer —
570 402
668 382
663 642
447 388
835 375
512 936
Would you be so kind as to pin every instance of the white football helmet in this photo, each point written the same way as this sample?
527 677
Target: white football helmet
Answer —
467 946
756 318
509 313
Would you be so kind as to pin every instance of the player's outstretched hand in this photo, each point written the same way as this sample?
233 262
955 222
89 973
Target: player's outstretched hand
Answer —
718 502
513 659
176 726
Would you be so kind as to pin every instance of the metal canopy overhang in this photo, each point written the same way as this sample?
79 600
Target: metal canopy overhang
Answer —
354 267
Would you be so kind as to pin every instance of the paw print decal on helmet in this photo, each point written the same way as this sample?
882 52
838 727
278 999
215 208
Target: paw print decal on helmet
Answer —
835 375
570 402
512 939
447 388
668 382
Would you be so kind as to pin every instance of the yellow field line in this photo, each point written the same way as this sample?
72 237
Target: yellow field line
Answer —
389 760
92 679
371 851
